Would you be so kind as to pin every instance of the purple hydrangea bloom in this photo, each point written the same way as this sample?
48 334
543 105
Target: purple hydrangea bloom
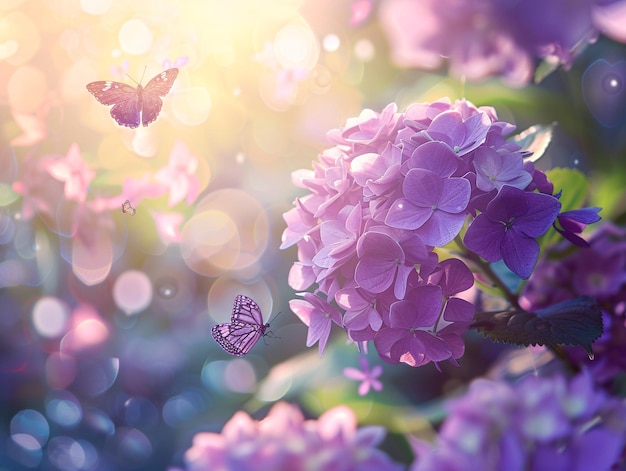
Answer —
285 441
483 38
599 271
508 229
394 188
537 424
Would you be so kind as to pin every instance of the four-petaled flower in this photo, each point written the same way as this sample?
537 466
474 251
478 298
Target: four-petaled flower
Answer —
508 228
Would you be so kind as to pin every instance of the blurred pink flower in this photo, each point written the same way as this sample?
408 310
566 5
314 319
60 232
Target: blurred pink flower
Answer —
39 192
179 175
285 441
168 226
74 172
367 376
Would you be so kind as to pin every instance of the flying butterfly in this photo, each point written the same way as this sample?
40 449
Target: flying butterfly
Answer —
133 106
127 208
245 329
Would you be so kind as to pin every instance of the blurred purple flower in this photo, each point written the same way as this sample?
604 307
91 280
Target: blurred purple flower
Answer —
599 271
483 38
507 230
367 376
285 441
536 424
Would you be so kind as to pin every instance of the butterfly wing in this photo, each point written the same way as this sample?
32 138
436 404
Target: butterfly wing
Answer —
247 311
127 208
123 98
157 87
236 338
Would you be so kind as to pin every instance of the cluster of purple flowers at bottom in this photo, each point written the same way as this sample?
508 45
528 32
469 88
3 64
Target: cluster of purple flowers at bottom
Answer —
599 271
393 188
285 441
538 424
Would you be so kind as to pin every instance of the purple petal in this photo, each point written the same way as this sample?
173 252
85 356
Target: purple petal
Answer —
441 228
543 210
484 237
455 195
520 254
422 187
405 215
353 373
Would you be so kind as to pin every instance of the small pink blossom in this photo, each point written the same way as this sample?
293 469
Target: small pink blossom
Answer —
367 376
179 175
74 172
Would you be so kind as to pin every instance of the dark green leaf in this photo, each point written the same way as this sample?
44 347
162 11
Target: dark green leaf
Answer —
574 322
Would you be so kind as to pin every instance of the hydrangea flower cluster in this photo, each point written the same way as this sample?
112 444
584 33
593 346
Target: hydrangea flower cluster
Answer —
483 38
599 271
285 441
393 188
537 424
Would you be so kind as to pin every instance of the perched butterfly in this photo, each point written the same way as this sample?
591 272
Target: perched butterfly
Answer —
127 208
245 329
133 106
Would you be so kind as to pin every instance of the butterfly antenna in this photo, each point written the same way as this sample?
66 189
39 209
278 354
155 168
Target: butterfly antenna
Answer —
142 76
133 79
279 312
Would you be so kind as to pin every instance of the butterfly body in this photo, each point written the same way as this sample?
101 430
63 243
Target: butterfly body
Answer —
134 106
246 327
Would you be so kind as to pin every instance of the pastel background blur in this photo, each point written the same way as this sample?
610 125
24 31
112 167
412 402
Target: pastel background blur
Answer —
106 358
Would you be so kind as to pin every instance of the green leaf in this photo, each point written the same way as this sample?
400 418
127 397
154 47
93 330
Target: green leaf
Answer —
573 322
573 184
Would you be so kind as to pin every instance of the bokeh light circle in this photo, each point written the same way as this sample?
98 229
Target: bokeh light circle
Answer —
331 42
132 291
239 376
63 408
296 46
96 7
32 423
27 89
68 454
612 84
135 37
364 50
50 317
19 37
130 446
192 106
183 407
229 231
